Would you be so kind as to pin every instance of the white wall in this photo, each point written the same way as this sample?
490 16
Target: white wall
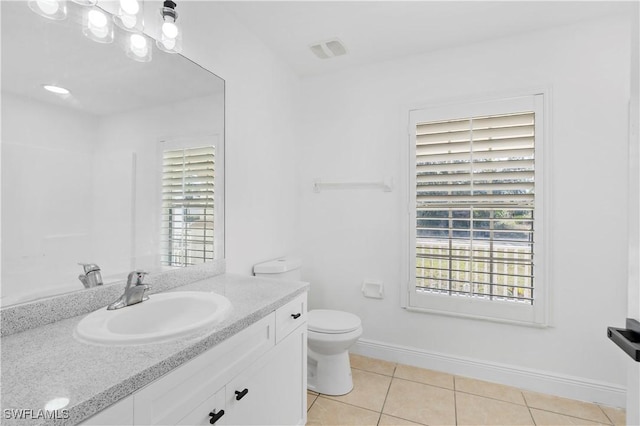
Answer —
261 148
352 126
43 140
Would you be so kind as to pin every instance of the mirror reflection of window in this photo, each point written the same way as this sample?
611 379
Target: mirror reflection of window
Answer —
187 206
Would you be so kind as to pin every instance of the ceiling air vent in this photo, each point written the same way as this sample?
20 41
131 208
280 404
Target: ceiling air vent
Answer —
328 49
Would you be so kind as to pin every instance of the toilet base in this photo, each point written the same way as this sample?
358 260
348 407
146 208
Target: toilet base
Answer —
329 374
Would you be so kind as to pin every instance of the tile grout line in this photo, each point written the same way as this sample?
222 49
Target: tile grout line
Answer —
455 402
428 384
328 398
373 372
606 415
314 401
533 419
387 394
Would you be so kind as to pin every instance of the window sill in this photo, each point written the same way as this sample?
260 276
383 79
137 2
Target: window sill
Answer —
492 311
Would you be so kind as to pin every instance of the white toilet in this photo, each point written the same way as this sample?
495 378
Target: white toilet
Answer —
330 335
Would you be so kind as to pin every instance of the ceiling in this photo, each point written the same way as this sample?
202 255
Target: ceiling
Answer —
375 31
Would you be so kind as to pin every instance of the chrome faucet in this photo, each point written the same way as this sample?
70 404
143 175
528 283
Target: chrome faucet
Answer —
91 276
133 293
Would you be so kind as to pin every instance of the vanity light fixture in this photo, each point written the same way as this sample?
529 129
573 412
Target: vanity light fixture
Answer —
50 9
55 89
97 26
170 38
130 15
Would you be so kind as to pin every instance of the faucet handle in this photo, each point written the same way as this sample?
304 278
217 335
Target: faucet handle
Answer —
140 277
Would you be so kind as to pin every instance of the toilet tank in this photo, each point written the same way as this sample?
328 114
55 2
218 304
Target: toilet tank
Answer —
286 268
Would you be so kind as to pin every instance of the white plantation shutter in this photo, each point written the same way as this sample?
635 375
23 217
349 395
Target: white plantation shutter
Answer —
480 160
188 206
474 226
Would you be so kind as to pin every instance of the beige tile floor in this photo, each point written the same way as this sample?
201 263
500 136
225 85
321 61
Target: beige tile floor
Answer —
386 393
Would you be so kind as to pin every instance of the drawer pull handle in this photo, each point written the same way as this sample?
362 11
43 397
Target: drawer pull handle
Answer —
295 316
215 416
240 395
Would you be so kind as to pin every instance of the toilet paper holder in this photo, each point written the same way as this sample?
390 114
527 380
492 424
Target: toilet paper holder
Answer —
373 289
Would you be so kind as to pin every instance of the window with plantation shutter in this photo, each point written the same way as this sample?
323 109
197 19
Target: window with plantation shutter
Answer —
475 187
188 206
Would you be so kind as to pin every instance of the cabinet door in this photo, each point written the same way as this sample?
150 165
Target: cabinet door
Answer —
212 409
250 397
289 371
273 391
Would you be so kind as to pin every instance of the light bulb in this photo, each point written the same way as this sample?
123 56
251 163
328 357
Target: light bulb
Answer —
170 30
98 24
50 7
170 36
97 18
138 45
131 7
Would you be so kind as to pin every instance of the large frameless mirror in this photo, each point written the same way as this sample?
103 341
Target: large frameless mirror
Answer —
123 171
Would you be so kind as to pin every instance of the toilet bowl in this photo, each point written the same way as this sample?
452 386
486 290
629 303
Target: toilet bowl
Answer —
330 335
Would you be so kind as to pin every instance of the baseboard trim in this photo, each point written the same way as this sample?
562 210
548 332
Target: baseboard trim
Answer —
524 378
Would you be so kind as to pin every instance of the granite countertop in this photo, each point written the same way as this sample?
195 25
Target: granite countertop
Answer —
45 363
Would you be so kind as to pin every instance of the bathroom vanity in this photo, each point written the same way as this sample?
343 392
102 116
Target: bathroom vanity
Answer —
255 377
248 369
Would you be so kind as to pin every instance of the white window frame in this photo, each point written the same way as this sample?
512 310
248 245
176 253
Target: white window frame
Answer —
536 314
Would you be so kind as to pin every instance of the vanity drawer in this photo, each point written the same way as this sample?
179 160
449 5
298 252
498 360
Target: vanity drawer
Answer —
169 399
290 316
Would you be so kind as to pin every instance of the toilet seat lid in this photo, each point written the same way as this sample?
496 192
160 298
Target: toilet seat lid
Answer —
332 322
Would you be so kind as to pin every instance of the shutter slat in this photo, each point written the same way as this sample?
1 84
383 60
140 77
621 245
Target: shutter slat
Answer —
484 198
502 155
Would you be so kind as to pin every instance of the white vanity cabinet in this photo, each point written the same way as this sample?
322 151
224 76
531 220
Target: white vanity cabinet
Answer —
256 377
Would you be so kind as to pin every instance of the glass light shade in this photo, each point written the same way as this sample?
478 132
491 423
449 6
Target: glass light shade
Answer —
50 9
85 2
139 47
97 26
170 38
130 16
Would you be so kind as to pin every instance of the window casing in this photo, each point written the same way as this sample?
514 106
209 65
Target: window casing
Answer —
188 182
476 218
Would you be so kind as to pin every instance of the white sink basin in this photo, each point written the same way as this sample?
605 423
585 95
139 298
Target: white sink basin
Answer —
162 317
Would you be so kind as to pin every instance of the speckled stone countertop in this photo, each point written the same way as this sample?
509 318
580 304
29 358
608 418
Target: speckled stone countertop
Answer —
47 362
